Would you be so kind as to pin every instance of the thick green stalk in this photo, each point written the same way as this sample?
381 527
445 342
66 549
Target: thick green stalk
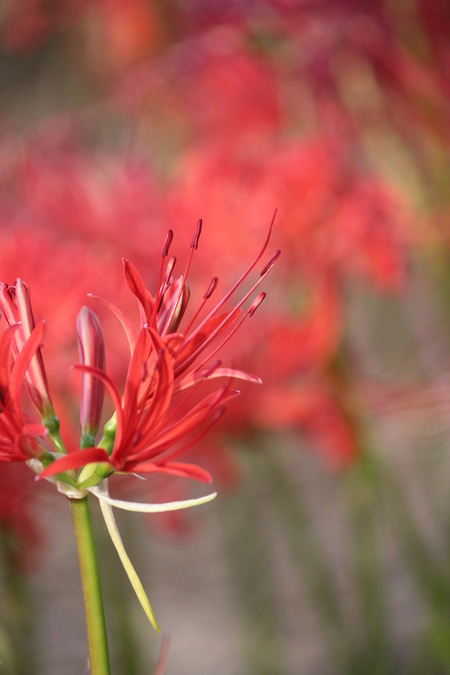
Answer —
90 581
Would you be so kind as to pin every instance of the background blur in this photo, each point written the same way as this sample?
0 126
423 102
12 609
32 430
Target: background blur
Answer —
327 550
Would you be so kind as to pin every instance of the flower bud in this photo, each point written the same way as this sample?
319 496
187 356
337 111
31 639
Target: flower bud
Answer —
91 347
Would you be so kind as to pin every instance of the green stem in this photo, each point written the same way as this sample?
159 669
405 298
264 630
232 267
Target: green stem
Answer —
90 581
57 442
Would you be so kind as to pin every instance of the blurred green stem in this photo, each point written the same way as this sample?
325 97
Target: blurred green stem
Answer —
90 581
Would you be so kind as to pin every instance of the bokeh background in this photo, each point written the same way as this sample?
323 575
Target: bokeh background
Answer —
327 550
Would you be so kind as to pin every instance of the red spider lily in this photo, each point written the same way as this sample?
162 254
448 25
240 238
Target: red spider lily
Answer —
148 430
18 435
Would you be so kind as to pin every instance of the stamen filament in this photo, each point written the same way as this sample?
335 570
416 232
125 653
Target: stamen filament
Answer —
251 310
238 282
228 319
211 288
158 295
193 247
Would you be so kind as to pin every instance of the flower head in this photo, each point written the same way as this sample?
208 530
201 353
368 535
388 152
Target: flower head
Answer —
159 414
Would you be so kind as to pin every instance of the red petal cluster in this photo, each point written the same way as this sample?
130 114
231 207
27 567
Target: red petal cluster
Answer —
18 434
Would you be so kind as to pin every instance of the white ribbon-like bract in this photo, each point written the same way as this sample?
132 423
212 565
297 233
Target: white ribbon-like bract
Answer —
102 494
106 502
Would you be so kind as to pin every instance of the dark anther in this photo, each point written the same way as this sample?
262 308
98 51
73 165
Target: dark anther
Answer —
196 236
256 303
167 243
271 262
211 288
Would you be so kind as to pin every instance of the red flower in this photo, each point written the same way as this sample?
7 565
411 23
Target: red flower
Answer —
149 430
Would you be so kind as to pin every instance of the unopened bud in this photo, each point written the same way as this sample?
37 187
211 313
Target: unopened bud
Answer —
91 347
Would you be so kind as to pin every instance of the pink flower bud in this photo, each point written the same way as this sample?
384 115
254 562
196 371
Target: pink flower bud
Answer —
92 353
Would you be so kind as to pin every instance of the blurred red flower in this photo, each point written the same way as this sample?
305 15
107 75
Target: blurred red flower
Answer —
331 218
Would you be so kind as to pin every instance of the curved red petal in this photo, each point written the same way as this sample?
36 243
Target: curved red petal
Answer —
174 469
75 461
196 376
23 361
124 320
136 286
5 356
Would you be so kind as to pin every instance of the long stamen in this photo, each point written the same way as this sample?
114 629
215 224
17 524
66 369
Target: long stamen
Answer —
238 282
251 310
211 288
158 295
228 319
193 247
